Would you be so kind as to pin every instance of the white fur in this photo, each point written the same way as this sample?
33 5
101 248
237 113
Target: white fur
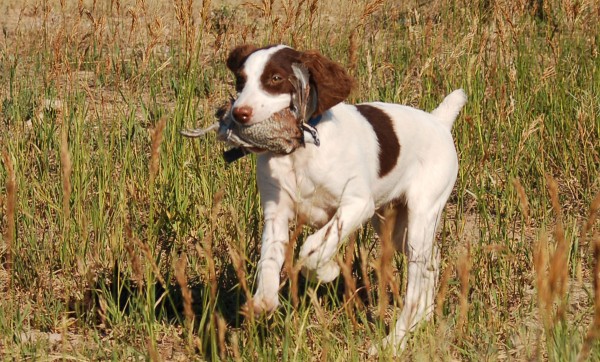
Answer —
262 103
336 188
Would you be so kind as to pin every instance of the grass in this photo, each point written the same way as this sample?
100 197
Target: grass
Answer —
123 240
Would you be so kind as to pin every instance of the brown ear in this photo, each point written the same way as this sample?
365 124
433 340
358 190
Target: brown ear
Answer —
238 55
331 80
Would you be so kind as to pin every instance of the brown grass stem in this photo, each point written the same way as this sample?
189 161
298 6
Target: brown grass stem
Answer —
137 274
157 136
522 199
292 270
364 264
221 332
384 267
592 215
240 271
594 330
207 243
443 290
65 161
558 265
463 268
11 209
186 293
145 248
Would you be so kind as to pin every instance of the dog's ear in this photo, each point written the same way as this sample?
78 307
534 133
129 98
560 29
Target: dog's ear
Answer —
238 56
332 82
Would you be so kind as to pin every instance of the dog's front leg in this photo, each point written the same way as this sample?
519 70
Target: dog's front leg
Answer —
274 243
316 255
272 174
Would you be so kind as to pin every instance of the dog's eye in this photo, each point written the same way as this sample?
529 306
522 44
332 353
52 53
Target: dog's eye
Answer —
276 78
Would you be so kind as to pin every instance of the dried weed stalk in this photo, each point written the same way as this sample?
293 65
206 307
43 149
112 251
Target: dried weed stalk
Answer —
324 353
558 267
207 243
384 266
150 259
349 292
184 13
152 352
349 255
540 263
353 52
441 295
369 9
157 137
205 247
350 302
240 271
235 347
323 318
65 161
186 293
594 331
11 204
463 269
552 270
136 265
293 270
592 215
222 330
522 199
364 259
205 14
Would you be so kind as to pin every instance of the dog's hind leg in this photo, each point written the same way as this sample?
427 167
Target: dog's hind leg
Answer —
414 234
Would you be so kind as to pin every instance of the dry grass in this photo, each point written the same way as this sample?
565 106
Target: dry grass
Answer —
594 328
185 290
117 233
464 270
66 165
11 202
157 136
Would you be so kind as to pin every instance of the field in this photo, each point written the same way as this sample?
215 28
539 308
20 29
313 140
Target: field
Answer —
122 240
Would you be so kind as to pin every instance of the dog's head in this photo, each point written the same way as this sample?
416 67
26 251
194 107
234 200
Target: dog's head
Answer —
263 80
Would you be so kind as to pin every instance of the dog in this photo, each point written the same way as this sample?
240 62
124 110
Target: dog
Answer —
371 156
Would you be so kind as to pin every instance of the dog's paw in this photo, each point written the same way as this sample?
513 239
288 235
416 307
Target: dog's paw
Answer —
263 304
390 346
324 274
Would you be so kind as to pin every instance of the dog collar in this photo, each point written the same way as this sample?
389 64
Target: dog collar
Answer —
314 121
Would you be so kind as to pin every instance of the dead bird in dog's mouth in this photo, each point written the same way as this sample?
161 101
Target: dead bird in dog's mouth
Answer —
282 133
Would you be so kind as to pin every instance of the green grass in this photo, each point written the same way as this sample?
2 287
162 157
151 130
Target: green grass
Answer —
97 280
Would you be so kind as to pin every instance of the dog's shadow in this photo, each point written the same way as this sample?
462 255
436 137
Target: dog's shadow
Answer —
117 290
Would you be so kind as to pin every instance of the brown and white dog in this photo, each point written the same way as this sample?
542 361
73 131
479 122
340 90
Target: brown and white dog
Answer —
371 156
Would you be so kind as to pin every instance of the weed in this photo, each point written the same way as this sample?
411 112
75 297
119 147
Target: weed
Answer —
129 241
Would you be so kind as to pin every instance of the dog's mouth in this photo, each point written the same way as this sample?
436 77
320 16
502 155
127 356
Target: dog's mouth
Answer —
282 133
257 150
279 133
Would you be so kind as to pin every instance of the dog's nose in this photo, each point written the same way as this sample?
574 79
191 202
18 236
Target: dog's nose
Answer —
242 114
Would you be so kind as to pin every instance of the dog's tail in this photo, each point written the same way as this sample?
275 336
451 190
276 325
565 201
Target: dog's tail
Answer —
450 107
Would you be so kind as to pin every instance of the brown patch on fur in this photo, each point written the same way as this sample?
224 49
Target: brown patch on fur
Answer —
331 80
389 147
332 83
240 81
280 64
238 56
236 60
